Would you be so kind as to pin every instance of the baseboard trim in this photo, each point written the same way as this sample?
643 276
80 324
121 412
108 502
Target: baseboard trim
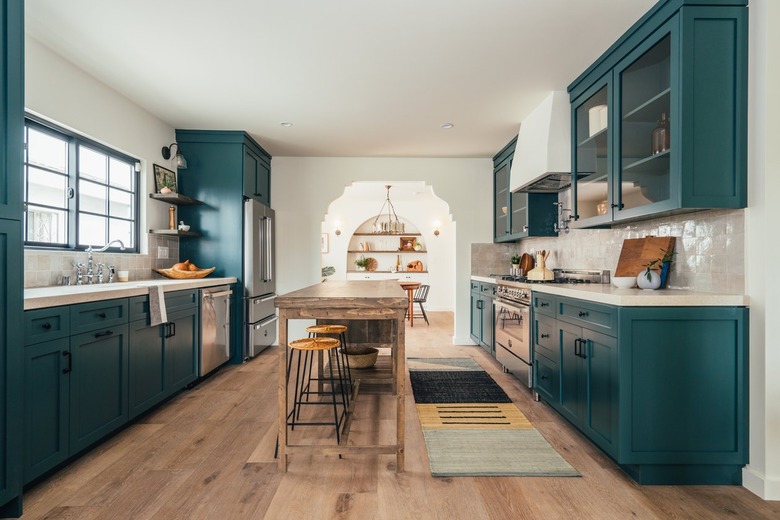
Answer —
460 340
759 485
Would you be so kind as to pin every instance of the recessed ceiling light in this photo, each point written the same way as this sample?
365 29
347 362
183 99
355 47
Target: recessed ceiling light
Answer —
447 126
286 124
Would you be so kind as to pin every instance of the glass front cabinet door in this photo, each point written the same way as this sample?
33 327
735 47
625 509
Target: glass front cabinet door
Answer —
592 158
647 116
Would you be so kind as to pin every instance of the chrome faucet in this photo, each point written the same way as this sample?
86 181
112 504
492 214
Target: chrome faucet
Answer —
90 250
563 225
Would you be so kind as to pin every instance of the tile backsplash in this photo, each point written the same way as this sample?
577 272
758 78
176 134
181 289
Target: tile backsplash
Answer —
710 249
44 268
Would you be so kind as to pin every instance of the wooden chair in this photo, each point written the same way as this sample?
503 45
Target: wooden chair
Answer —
420 297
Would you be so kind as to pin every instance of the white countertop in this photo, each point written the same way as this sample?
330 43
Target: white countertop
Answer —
611 295
41 297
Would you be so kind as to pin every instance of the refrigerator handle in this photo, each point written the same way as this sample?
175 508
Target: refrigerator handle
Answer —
268 248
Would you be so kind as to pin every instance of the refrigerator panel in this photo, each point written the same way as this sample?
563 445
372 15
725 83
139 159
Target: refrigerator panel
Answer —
260 336
260 307
259 268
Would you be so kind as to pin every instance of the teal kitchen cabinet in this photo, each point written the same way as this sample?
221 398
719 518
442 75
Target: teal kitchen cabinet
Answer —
659 122
482 295
47 364
661 390
162 359
519 215
98 374
257 175
589 383
11 270
220 174
75 385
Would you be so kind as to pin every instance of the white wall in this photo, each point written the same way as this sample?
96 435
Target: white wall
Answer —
762 476
302 189
58 91
415 204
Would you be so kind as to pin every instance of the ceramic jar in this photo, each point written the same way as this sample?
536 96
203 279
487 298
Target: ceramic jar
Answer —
653 283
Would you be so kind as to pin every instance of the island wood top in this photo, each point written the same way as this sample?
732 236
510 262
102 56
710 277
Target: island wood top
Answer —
347 294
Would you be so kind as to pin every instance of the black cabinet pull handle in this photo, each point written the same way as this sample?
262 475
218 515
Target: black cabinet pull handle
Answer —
543 377
167 333
577 347
545 335
544 304
67 369
584 349
102 315
104 334
582 314
173 329
46 325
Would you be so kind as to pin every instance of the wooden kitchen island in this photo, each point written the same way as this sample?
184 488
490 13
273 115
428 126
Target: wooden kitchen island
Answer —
347 300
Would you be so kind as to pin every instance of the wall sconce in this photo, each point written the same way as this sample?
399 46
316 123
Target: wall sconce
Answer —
337 226
436 229
178 162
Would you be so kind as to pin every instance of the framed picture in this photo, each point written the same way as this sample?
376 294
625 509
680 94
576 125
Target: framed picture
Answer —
324 243
408 243
164 178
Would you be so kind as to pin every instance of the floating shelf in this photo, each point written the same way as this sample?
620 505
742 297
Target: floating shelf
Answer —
175 198
173 233
387 234
405 251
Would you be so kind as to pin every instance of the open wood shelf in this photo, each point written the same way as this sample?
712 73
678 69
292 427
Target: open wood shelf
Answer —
173 233
175 198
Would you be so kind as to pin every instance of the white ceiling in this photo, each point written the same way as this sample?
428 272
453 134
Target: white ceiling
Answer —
364 78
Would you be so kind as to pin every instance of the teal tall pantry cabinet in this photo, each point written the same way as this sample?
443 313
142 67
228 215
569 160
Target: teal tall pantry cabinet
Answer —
223 169
674 89
11 273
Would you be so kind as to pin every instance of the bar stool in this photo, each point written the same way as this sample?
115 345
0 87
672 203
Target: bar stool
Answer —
306 349
340 331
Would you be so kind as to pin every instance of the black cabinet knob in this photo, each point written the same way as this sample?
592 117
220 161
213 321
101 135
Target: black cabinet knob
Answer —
545 335
582 314
102 315
46 326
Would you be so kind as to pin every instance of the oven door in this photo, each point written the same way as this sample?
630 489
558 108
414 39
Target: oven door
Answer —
513 339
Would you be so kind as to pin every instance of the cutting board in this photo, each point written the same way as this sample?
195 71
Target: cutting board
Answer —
638 252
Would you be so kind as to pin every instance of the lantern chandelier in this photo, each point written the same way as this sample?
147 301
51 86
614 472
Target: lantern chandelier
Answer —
388 223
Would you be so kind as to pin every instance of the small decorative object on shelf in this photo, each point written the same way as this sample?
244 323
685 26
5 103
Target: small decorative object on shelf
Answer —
362 263
408 243
656 271
661 135
172 217
183 226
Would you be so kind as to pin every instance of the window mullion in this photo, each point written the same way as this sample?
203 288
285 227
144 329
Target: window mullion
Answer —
73 205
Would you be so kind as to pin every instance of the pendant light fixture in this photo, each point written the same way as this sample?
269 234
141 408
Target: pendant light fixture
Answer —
388 223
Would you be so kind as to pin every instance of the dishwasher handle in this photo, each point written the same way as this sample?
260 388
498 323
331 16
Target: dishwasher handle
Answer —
217 294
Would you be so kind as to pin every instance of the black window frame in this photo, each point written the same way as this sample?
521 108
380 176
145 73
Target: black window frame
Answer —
74 141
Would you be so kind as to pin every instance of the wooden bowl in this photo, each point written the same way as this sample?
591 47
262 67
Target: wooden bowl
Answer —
184 275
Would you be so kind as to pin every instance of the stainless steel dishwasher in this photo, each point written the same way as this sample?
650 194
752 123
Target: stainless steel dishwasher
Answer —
214 327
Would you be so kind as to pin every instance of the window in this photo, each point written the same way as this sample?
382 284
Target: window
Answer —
77 192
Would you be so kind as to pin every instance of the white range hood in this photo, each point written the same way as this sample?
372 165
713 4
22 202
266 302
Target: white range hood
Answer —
542 160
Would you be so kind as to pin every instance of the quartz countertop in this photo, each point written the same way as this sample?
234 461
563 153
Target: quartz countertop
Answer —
41 297
611 295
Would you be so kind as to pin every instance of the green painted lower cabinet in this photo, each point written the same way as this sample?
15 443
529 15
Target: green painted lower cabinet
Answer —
78 388
661 390
163 359
482 295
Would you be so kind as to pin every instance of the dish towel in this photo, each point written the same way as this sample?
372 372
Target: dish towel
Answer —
157 311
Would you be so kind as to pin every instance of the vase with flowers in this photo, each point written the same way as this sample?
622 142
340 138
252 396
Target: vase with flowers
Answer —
656 271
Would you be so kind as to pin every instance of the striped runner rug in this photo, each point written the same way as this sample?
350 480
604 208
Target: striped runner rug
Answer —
472 428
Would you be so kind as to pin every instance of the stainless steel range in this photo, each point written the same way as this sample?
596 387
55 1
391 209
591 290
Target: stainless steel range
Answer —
512 317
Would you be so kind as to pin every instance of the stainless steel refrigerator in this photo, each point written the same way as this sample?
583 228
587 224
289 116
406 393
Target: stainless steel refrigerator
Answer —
259 278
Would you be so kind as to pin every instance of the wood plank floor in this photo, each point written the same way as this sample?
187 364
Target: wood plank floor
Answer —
208 453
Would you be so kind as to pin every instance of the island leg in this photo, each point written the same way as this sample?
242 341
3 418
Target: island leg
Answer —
283 390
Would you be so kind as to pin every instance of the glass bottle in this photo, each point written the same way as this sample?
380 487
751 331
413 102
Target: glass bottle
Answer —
661 135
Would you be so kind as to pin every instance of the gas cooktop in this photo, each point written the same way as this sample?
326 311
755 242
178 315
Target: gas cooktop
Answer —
564 276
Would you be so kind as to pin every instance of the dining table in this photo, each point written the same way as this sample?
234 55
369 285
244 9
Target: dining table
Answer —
410 287
345 300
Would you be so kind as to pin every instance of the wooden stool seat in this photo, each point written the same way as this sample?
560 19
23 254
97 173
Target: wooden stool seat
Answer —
314 344
326 329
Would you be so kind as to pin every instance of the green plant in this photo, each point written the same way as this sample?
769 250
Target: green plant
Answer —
328 270
667 258
362 262
515 259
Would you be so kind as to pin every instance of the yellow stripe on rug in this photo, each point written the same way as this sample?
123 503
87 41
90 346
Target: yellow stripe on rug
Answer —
462 416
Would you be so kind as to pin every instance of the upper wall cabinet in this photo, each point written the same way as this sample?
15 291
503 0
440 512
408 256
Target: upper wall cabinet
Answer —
519 215
659 122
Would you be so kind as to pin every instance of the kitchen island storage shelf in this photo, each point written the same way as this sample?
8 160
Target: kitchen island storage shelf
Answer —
175 198
398 251
386 234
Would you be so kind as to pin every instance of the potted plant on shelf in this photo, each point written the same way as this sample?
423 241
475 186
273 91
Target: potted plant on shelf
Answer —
656 271
362 263
515 261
